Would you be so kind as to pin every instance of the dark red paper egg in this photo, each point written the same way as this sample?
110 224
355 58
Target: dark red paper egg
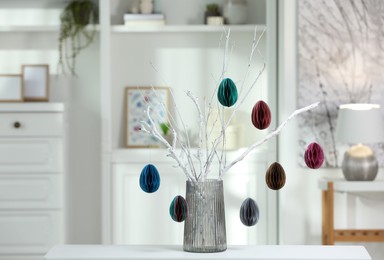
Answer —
314 156
275 176
261 115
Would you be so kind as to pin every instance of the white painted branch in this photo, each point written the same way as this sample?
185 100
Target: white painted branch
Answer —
151 129
200 119
270 135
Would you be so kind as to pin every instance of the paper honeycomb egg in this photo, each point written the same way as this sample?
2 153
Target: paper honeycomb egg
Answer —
178 209
314 156
275 176
149 179
227 93
249 212
261 115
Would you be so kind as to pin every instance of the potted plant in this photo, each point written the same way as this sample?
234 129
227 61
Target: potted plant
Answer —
165 130
211 10
74 33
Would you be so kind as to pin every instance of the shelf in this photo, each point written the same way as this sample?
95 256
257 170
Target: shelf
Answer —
140 155
42 28
186 28
32 107
35 28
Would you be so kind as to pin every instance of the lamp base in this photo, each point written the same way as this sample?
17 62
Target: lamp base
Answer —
360 164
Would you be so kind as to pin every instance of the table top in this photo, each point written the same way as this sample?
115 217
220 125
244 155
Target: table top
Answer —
144 252
343 185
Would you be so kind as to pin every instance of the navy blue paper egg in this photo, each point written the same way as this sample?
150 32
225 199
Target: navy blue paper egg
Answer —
178 209
249 212
227 92
149 179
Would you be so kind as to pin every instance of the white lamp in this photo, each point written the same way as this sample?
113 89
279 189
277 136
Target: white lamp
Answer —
360 124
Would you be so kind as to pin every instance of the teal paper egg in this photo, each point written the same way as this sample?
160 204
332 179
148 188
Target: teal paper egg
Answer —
178 209
149 179
227 93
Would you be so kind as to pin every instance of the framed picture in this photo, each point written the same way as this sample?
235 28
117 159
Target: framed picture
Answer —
137 100
11 88
36 82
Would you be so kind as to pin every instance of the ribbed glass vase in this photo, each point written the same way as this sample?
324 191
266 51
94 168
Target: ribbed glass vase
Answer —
204 228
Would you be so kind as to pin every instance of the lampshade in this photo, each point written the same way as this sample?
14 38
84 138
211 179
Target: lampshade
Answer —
360 123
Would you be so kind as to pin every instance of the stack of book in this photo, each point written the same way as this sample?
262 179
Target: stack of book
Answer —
144 19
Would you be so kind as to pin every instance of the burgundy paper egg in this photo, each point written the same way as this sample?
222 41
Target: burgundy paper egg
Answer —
178 209
275 176
249 212
314 156
261 115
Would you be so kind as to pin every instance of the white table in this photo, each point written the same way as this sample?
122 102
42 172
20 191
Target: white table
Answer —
130 252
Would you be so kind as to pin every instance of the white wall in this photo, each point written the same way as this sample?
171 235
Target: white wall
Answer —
84 153
300 199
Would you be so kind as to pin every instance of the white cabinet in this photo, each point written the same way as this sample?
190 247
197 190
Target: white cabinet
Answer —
32 211
142 218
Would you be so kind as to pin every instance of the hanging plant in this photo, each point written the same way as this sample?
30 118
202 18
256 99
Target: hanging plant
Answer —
74 33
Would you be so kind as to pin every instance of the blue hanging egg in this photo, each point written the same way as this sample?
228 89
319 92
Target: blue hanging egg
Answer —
227 93
178 209
249 212
149 179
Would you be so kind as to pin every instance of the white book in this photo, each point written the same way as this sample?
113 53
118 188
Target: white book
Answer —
144 22
129 17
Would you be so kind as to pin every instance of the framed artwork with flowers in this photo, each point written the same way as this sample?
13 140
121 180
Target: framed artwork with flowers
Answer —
137 100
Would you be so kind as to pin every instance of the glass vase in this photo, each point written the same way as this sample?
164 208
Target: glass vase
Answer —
204 228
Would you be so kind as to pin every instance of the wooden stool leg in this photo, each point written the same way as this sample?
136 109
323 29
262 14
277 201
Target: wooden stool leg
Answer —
328 237
324 228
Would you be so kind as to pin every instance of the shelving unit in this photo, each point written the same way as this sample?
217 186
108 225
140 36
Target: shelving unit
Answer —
186 53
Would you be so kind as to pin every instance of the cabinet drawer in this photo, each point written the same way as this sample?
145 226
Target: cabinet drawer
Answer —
26 191
29 232
31 155
31 124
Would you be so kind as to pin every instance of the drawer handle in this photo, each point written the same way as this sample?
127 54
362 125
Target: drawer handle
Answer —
17 124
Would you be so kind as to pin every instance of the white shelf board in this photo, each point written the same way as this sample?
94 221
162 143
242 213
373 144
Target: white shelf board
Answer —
35 28
38 28
186 28
342 185
31 107
159 155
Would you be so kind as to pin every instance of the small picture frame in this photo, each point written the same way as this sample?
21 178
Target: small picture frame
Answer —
137 100
11 88
36 82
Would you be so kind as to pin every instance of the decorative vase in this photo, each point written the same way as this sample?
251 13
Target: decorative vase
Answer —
235 11
204 228
146 6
